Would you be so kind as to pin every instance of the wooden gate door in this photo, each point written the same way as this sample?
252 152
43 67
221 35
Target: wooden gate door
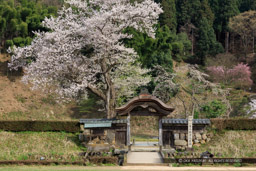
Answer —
120 137
168 139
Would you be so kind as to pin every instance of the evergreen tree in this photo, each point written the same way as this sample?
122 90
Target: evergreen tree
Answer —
152 51
192 11
19 19
246 5
168 17
224 10
206 43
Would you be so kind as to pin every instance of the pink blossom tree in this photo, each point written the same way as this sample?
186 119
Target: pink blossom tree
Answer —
239 76
83 51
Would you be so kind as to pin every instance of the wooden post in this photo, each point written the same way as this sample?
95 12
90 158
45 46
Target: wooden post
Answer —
190 131
128 131
160 133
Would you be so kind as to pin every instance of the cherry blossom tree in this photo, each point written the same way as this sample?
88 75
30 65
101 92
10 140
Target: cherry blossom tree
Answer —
239 76
84 52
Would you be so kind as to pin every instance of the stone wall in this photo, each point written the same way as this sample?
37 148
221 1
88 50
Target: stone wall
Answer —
199 137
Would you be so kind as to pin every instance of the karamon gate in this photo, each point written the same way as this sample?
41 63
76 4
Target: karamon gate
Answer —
144 105
99 134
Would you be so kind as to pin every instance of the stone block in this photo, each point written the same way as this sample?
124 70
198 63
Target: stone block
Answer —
180 142
198 136
210 135
204 137
196 141
186 137
202 141
197 145
176 136
182 136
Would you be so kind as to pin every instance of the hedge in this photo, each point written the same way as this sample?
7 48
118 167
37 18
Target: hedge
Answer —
39 126
74 126
234 124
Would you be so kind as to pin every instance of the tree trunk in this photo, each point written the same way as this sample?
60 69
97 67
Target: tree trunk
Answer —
226 41
192 48
253 43
110 102
233 43
110 96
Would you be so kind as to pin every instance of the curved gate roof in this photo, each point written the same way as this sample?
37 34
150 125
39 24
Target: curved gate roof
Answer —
145 101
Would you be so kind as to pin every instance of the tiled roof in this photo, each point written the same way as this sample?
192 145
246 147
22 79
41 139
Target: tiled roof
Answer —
185 121
89 121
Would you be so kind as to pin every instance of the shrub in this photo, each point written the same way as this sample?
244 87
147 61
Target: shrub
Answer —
67 126
8 43
214 109
223 59
18 41
234 124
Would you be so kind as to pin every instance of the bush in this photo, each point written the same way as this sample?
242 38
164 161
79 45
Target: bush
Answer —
214 109
224 59
8 43
234 124
19 41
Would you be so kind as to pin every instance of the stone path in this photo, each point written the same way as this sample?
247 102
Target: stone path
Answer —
144 157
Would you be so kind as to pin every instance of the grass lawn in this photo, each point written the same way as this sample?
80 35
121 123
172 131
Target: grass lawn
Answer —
231 144
58 146
50 168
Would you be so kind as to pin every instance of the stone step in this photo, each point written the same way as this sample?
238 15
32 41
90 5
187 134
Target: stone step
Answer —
144 158
145 148
147 164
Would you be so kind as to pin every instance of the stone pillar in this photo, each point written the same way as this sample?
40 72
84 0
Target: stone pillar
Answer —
190 131
128 131
160 133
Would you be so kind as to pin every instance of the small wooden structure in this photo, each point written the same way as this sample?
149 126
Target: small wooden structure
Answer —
109 130
145 105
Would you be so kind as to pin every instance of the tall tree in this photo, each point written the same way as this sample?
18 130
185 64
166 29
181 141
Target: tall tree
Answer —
244 25
223 10
84 52
246 5
192 11
206 43
168 17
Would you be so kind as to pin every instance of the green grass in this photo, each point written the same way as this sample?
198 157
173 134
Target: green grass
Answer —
231 144
51 168
58 146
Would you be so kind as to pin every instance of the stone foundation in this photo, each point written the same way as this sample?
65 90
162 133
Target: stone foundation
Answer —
200 137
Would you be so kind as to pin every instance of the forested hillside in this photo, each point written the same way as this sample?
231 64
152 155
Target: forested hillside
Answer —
201 60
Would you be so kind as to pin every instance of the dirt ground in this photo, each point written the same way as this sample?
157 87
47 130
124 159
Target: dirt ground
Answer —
19 102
